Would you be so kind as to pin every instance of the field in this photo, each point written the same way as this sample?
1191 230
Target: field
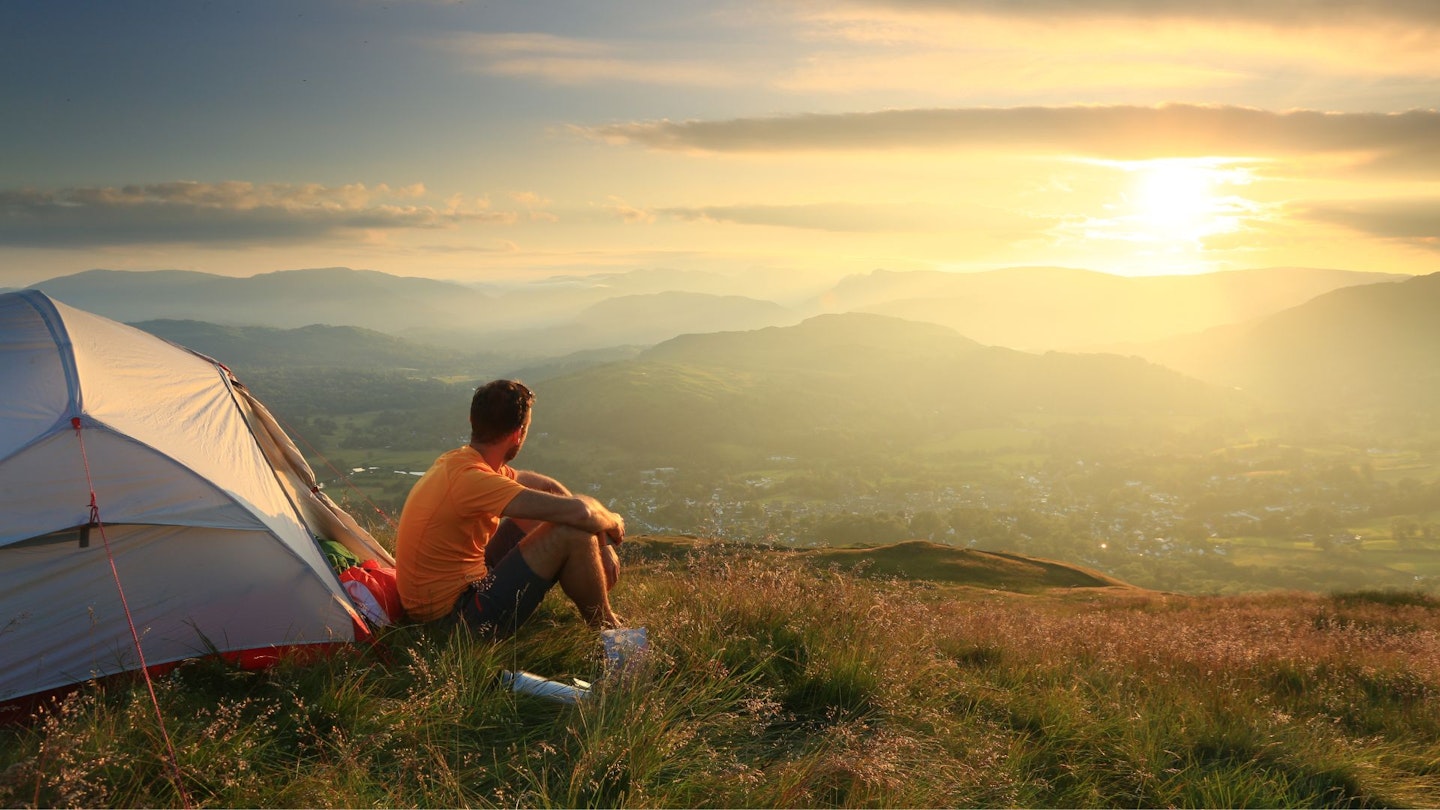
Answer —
776 679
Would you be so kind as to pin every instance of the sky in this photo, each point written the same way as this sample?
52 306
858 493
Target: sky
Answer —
498 141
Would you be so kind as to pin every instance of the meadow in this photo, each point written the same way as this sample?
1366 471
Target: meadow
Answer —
775 679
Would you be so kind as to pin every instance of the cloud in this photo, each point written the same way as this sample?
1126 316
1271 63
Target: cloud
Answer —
1295 13
535 205
1109 132
567 61
856 217
228 212
1120 50
628 213
1414 221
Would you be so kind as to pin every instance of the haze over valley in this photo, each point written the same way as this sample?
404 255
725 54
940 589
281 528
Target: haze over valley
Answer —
1290 442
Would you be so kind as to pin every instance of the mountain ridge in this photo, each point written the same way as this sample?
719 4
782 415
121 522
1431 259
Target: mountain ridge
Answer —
1363 345
1044 308
1033 309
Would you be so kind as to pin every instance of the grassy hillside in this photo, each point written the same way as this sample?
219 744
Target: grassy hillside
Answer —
932 562
775 682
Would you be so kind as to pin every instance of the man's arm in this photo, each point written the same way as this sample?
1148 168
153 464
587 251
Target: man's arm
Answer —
544 483
580 511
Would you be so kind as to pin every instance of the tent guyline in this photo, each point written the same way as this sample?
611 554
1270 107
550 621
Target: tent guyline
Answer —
99 525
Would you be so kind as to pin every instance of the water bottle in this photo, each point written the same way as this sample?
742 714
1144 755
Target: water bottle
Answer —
528 683
623 645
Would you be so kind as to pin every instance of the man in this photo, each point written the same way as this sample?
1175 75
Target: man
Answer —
452 522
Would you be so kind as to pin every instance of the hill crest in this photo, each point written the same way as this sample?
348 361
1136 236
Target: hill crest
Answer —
917 560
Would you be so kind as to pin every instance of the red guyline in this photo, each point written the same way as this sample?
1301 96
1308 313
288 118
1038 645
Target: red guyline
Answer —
129 619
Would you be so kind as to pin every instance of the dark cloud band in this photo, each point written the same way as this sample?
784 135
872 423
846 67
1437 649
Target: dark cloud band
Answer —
199 213
1401 140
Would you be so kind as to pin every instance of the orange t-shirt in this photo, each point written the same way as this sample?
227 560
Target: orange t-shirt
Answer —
451 513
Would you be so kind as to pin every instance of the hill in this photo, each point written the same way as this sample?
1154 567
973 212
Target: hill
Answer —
1366 346
913 560
311 347
932 562
1033 309
1043 308
643 320
772 682
286 299
854 381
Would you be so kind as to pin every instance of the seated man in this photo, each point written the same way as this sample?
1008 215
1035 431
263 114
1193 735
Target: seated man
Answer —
454 515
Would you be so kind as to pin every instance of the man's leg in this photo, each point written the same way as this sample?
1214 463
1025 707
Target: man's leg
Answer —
505 538
572 557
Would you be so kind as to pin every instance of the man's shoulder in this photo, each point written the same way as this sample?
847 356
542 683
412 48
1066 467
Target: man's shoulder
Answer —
466 461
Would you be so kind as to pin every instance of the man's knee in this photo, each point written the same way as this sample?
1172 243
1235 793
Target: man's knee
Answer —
548 548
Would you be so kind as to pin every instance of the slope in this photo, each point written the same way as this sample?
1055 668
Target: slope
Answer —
309 346
916 560
1039 308
1367 346
285 299
847 382
643 320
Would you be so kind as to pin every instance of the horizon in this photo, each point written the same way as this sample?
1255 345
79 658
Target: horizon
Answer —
514 144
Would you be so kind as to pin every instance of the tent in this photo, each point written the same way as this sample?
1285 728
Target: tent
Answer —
149 505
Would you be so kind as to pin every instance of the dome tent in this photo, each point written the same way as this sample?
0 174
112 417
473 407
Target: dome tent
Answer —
140 478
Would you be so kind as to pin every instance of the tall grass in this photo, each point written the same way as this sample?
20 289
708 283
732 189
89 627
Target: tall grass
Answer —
770 683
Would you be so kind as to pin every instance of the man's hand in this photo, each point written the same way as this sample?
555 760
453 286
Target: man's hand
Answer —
616 535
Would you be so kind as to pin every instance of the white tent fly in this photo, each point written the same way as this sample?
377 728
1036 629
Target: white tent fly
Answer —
141 486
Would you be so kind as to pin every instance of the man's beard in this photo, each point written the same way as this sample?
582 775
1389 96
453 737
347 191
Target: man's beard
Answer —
512 453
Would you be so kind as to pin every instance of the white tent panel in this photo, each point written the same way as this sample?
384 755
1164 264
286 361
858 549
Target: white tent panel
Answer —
43 489
174 401
184 587
35 392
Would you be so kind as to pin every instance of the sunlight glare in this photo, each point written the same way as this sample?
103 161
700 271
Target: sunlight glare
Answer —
1180 202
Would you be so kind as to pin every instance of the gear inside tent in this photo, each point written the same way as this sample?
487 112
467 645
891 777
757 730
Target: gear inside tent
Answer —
146 496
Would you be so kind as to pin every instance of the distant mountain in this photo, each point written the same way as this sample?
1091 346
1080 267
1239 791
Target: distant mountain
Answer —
644 320
1034 309
287 299
853 380
571 363
1361 346
1044 308
333 347
542 319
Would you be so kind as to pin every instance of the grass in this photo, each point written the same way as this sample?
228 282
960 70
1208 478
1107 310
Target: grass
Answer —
777 682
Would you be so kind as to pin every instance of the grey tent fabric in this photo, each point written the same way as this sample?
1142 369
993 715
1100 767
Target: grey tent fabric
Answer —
213 541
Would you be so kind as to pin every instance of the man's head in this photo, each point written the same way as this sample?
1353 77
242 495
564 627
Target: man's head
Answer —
499 409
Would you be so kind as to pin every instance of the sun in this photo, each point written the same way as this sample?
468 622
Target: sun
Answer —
1181 202
1167 215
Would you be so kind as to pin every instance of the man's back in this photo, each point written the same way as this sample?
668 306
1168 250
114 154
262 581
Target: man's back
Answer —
451 513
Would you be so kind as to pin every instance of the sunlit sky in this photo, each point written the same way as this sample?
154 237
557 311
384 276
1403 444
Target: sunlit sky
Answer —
514 141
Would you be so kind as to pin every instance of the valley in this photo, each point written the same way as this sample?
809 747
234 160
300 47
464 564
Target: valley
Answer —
1286 462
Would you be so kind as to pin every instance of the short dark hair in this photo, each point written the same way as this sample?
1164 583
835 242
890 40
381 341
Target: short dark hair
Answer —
499 407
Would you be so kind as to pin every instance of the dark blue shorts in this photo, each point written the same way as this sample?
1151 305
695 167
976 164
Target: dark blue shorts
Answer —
498 604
